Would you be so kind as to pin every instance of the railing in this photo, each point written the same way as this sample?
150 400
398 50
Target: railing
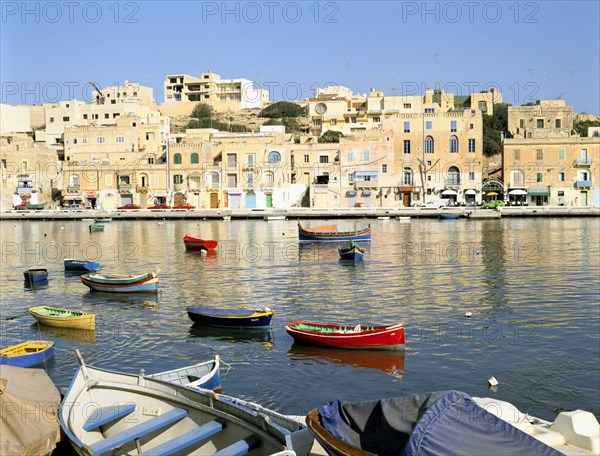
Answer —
142 188
581 161
583 183
359 185
124 186
73 188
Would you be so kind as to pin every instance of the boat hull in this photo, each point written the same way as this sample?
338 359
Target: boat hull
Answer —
340 336
81 265
351 251
448 216
197 244
334 236
145 283
63 318
204 375
27 354
96 227
35 275
231 319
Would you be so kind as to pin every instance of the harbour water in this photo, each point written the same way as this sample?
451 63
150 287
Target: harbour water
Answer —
532 287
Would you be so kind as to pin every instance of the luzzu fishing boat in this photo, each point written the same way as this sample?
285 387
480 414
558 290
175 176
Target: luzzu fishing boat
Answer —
330 233
122 283
351 251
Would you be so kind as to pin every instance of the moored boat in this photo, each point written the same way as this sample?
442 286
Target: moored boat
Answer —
80 265
449 216
134 414
330 233
192 243
63 318
35 275
351 251
122 283
103 220
205 375
273 218
96 228
449 423
230 318
28 353
347 336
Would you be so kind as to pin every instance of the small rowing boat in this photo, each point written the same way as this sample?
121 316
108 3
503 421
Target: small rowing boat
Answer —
205 375
80 265
27 354
35 275
347 336
116 283
192 243
96 228
351 251
249 319
63 318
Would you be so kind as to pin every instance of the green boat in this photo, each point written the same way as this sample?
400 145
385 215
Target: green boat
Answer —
36 207
96 228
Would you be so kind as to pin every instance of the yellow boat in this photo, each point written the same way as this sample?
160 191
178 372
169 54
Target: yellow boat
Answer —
63 318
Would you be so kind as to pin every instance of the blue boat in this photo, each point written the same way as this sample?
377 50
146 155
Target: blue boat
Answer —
27 354
81 265
351 251
448 216
103 220
36 275
445 422
330 233
249 319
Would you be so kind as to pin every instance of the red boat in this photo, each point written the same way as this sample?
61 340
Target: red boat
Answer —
347 336
192 243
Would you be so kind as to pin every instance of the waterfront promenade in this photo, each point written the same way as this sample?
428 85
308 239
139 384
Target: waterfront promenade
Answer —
303 213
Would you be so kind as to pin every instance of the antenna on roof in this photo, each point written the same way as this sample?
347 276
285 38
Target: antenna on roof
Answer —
530 71
437 56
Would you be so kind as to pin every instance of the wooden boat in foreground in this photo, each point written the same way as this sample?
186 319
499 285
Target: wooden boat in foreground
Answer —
28 353
330 233
80 265
192 243
63 318
115 283
134 414
249 319
450 423
347 336
351 251
204 375
36 275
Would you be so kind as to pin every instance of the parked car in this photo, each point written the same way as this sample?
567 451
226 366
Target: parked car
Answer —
128 207
494 204
184 206
160 206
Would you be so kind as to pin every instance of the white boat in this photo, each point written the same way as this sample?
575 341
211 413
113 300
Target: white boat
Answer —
272 218
383 218
204 375
403 218
125 414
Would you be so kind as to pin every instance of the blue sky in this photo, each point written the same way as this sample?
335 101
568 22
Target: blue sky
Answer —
528 49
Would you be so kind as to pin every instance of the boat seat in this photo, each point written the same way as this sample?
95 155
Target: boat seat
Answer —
185 440
137 431
105 415
240 448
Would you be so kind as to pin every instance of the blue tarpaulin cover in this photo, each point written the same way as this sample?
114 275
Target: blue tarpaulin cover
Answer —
441 423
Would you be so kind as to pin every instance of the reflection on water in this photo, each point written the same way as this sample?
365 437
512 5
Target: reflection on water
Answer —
87 336
32 286
234 335
144 300
390 362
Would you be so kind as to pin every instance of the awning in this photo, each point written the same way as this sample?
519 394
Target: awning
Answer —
366 173
449 193
160 194
538 192
470 192
366 193
72 196
517 192
351 193
91 195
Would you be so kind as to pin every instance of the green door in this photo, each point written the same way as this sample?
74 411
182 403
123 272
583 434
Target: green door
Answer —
269 200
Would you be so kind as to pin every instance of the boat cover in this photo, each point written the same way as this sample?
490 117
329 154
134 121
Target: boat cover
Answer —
440 423
29 402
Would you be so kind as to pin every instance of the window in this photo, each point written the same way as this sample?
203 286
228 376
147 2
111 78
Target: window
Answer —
95 116
195 159
428 125
306 158
178 179
540 123
84 140
429 110
177 159
406 127
384 168
453 144
250 179
65 118
471 145
429 145
323 159
407 177
99 139
250 159
274 157
151 160
471 126
107 116
74 140
539 177
270 178
561 154
232 180
334 121
407 105
366 155
453 125
120 139
376 119
352 119
517 155
453 176
123 180
517 178
407 146
557 123
150 136
231 160
317 122
561 177
51 119
521 123
350 157
85 117
471 176
539 154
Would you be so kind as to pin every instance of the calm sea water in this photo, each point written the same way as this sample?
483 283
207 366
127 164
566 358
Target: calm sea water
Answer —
531 285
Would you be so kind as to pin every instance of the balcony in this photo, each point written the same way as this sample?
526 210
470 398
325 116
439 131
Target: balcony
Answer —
452 183
583 183
587 161
360 185
250 167
141 188
124 187
73 188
